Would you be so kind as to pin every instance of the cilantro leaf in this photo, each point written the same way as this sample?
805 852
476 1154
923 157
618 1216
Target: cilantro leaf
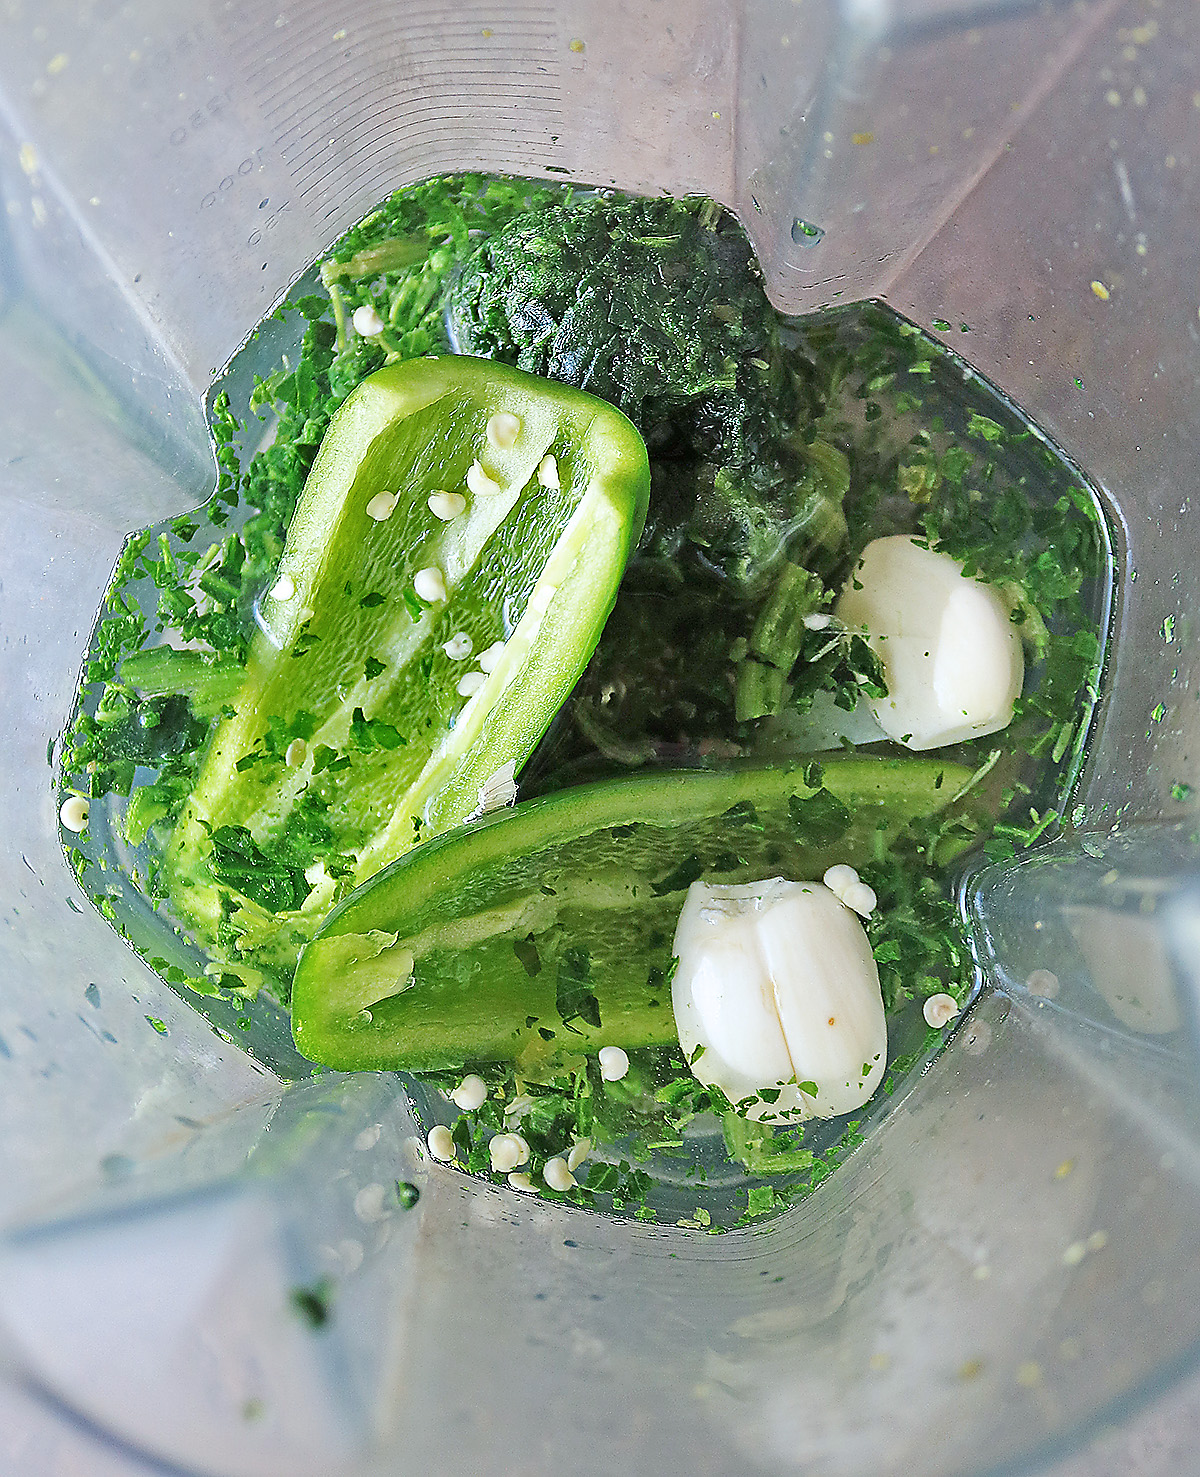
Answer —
373 733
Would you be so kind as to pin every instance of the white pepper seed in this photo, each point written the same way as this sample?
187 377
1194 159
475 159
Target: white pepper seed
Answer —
480 483
861 898
469 1094
838 879
74 813
382 506
440 1143
939 1010
447 505
557 1175
547 473
367 322
430 585
503 428
505 1152
489 659
614 1063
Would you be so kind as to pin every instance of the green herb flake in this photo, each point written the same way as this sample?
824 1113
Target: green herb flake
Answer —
820 819
313 1304
680 878
526 951
269 880
373 733
760 1199
574 997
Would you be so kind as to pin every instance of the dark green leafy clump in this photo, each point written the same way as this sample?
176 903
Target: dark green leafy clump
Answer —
400 257
659 684
264 878
654 305
127 731
839 663
658 307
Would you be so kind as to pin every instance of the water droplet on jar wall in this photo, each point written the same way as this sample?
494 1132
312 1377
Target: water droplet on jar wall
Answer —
804 233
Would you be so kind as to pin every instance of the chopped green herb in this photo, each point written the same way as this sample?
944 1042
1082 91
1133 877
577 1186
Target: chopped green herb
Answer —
239 863
574 997
820 818
313 1304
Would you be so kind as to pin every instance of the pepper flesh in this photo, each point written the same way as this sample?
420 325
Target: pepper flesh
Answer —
351 658
547 929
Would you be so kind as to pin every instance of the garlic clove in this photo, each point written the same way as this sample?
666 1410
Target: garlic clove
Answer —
777 984
951 656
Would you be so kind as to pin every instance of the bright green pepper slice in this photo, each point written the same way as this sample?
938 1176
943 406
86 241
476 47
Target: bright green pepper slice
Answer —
353 733
547 929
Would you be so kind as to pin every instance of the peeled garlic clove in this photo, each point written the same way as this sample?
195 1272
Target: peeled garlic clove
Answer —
951 656
777 983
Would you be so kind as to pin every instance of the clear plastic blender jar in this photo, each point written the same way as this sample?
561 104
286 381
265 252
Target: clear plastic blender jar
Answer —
1009 1263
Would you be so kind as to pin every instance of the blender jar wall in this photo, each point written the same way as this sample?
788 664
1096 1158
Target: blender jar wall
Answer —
1012 1249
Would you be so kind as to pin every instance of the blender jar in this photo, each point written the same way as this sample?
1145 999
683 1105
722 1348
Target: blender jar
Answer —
1009 1263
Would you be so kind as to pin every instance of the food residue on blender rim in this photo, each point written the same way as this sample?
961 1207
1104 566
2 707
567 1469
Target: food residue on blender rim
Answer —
586 692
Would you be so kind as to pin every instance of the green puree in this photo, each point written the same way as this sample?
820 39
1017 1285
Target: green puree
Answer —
270 719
